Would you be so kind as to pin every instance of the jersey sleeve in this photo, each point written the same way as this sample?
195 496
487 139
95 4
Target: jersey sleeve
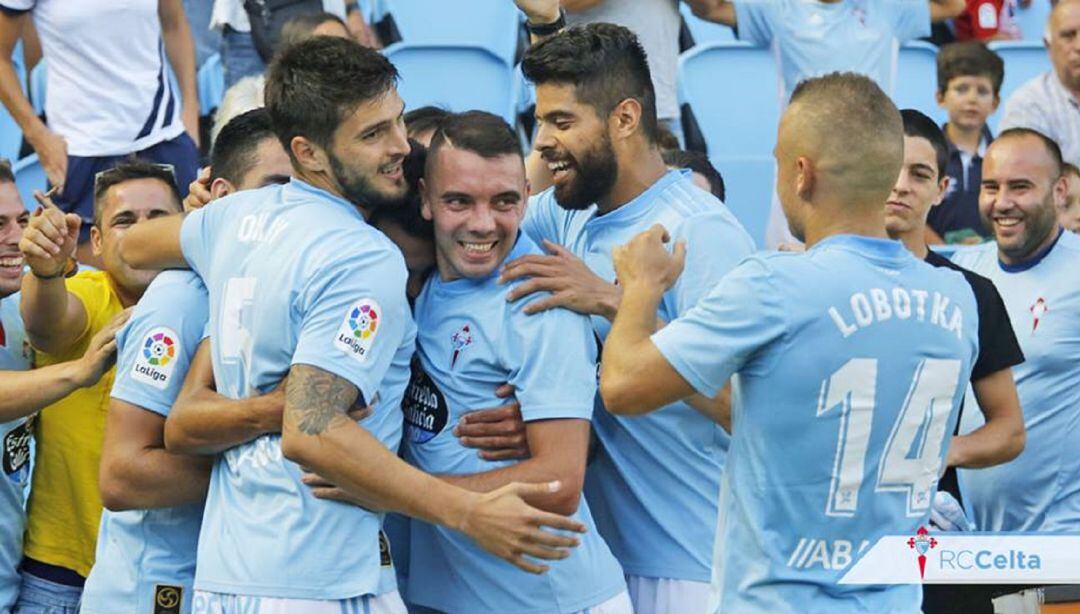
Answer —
196 235
354 316
157 346
998 347
552 360
910 19
756 20
541 221
728 331
715 245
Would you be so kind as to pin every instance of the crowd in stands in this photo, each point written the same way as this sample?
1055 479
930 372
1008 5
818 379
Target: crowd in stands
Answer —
111 461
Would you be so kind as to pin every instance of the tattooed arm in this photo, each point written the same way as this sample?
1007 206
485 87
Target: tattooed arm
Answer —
317 433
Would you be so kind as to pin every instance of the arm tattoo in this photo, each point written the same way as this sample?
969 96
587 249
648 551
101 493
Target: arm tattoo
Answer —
313 398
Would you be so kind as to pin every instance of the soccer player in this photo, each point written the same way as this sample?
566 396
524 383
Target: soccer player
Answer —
840 356
154 497
653 486
1032 261
300 286
470 341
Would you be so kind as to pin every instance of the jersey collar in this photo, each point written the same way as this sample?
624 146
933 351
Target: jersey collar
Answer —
642 203
879 249
1030 263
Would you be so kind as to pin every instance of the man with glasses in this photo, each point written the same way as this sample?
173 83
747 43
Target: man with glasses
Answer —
61 315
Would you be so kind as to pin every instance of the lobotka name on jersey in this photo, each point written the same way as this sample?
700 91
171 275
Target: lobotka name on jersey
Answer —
877 305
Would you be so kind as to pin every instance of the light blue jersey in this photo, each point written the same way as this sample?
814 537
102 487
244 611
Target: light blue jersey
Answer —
812 38
146 556
296 276
653 485
15 436
471 342
850 362
1040 489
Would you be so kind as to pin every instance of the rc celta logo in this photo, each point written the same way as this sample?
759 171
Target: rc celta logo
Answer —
460 340
921 544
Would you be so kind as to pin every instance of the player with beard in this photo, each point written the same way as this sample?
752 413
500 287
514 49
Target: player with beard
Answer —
300 286
653 486
61 317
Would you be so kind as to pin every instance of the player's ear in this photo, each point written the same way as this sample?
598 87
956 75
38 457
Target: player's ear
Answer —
221 187
308 155
425 206
1061 191
804 178
96 240
625 118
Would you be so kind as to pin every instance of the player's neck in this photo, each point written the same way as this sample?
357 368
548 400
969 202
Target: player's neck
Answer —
636 174
831 221
324 182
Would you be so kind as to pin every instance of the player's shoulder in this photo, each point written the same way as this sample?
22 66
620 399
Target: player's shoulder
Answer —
976 258
173 296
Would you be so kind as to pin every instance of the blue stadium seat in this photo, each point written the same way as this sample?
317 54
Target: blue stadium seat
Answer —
750 184
916 80
10 133
211 81
705 32
456 78
733 92
29 176
492 24
1032 20
1024 60
37 86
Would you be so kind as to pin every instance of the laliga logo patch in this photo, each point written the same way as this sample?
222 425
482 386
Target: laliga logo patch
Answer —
359 329
155 364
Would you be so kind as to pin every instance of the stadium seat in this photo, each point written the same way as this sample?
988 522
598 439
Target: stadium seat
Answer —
1024 60
30 176
732 89
37 87
10 133
456 78
492 24
1032 20
211 79
705 32
916 80
750 184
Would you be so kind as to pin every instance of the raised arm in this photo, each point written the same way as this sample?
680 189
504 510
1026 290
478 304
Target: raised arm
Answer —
154 244
205 422
1002 438
137 472
316 433
720 11
180 47
940 10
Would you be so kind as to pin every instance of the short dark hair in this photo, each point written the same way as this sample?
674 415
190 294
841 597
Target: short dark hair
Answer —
408 216
485 134
606 64
1050 144
301 27
130 170
425 119
917 124
6 174
969 59
234 151
698 163
312 86
666 140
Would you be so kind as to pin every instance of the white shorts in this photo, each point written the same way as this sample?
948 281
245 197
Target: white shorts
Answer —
220 603
667 596
619 604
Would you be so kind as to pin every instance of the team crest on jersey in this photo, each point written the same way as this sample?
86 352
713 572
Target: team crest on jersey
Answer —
157 359
1038 309
359 329
922 543
461 340
424 406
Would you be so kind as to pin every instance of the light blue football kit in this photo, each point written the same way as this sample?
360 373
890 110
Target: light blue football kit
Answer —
812 38
472 341
295 276
653 486
1040 489
849 363
147 557
15 436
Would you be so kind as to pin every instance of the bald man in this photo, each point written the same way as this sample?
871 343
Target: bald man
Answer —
838 355
1050 103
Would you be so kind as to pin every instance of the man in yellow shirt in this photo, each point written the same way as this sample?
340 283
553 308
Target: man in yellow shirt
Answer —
61 315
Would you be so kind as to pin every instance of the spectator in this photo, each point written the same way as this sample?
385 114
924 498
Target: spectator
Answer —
1050 103
1033 264
702 172
421 124
986 20
207 40
245 95
315 24
108 96
61 316
969 82
1069 211
238 54
817 37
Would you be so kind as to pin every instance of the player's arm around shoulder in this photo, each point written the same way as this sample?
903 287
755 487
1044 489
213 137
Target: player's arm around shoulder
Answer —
719 11
155 244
